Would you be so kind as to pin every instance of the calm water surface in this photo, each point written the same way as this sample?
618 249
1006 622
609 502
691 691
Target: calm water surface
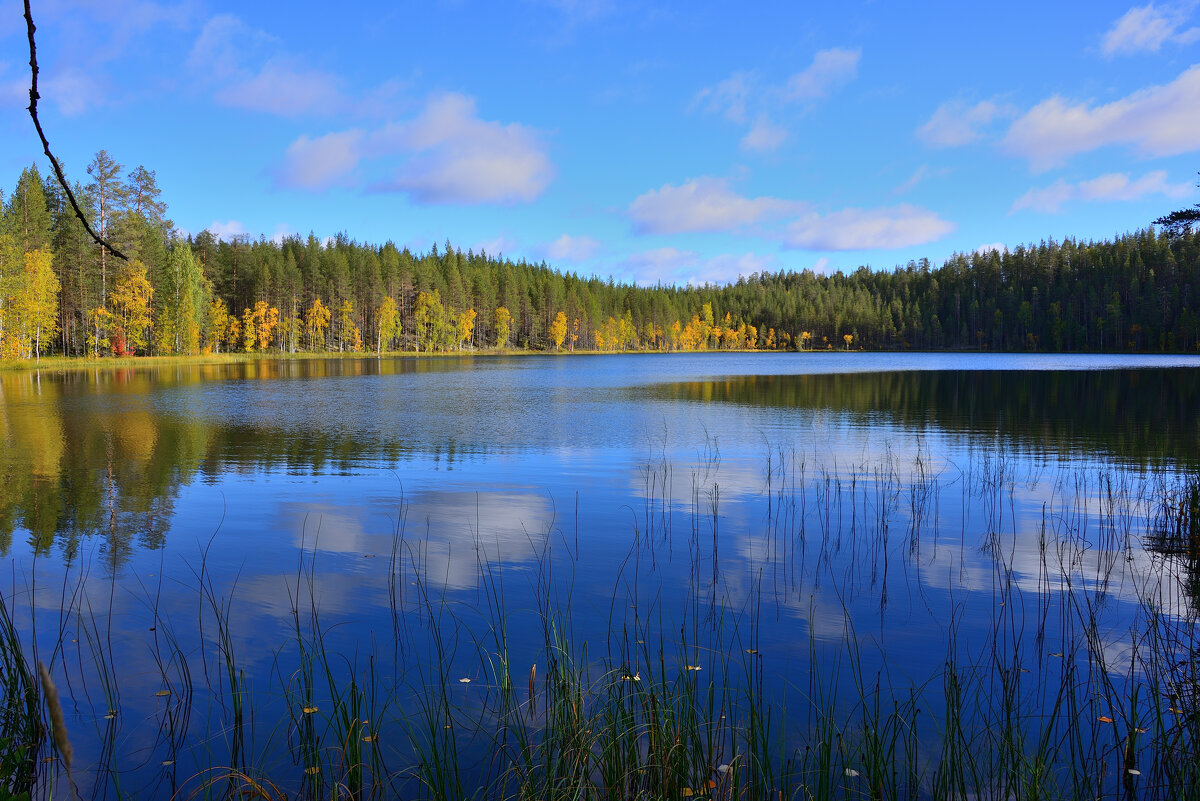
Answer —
818 509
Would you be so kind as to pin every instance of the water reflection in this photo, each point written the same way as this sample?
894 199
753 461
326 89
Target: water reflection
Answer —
1138 416
106 452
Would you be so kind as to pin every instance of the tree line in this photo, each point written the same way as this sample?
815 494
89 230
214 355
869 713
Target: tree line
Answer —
60 293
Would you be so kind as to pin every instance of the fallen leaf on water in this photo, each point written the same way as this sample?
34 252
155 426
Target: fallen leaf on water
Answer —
308 710
370 738
1134 772
851 772
712 785
1140 730
162 693
752 650
167 762
693 667
1176 711
1056 653
1104 719
686 792
464 681
723 768
109 716
313 771
368 556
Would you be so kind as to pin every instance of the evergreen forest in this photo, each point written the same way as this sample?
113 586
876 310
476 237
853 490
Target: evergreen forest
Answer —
62 294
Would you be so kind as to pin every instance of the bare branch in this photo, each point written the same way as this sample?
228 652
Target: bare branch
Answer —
58 172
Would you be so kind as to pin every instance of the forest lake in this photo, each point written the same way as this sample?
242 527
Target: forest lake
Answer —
798 575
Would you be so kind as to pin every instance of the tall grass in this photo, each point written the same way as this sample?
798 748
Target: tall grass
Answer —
684 698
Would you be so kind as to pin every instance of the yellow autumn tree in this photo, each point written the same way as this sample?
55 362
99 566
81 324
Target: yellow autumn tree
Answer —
130 301
558 330
466 325
217 327
268 323
30 307
502 322
387 324
316 321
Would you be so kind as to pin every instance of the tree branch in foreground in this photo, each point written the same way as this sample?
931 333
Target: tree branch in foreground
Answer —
62 179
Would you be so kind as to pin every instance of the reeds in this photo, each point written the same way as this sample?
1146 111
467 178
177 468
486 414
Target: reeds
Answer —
684 698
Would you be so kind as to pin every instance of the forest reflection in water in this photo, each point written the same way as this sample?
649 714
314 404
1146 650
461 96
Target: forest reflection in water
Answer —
901 517
106 451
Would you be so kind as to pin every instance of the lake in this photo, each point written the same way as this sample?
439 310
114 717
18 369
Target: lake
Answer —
810 574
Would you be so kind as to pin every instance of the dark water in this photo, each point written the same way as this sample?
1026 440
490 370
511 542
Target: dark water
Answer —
813 508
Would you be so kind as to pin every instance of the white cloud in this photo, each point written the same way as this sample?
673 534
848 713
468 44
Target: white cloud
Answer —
829 70
866 229
992 247
1157 121
451 156
572 248
727 97
920 175
702 204
764 136
740 93
286 88
227 230
322 162
1147 28
463 159
955 124
1116 186
73 90
218 50
821 266
251 72
673 266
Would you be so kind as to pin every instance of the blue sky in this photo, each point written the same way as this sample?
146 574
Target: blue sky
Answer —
674 142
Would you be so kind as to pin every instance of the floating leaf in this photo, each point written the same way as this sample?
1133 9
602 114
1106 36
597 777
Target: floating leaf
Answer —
1134 772
313 771
109 716
167 762
693 667
368 556
686 792
163 693
370 738
851 772
308 710
723 768
464 681
1056 653
712 785
752 650
1104 719
1176 711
